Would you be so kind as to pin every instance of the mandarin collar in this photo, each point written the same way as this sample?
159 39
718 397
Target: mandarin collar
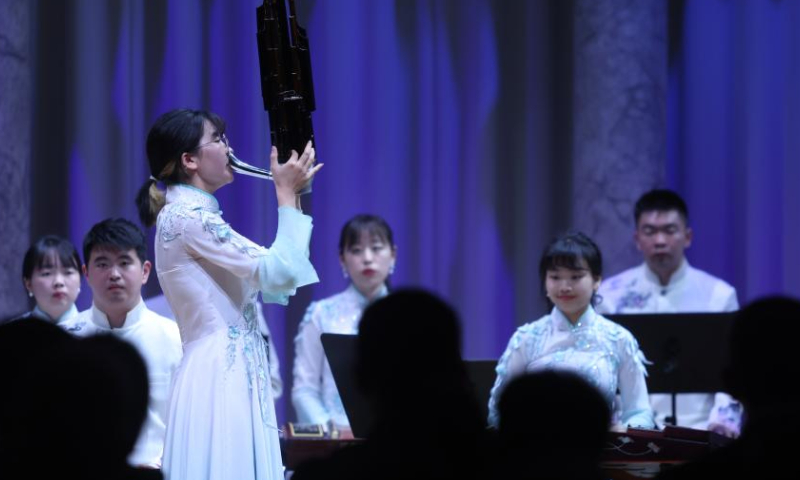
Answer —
562 323
183 193
71 312
133 317
361 299
676 277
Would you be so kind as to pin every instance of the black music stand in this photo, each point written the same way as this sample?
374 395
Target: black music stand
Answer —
688 350
341 353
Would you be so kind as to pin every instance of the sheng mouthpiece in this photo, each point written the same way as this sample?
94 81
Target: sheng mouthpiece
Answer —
247 169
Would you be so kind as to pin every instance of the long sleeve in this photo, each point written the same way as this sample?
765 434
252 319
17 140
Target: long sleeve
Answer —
277 272
309 362
289 267
511 364
635 403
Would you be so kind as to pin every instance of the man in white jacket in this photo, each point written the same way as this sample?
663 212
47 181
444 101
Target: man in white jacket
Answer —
666 283
116 267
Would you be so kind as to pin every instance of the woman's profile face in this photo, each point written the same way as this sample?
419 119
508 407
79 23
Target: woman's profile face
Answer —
209 160
54 286
368 262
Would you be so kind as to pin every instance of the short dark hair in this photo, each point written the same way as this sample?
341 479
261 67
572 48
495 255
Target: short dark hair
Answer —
566 251
660 200
352 230
45 250
117 234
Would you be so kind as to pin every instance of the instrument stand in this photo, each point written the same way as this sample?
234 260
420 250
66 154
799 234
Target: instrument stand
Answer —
673 418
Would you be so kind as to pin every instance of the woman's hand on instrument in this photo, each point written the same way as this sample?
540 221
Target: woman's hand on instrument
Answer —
292 176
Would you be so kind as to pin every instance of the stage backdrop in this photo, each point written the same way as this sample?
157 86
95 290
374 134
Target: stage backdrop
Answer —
472 126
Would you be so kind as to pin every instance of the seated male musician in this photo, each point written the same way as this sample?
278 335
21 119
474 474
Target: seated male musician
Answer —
666 283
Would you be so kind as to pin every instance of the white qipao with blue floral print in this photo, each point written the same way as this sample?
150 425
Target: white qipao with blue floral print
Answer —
221 422
601 351
314 392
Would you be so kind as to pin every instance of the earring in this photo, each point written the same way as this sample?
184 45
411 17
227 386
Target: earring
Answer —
30 294
344 273
391 269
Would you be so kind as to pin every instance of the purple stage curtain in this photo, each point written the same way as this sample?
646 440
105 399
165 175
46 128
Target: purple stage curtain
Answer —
450 118
734 146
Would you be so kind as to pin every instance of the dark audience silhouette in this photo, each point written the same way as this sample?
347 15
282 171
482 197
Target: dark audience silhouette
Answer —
70 408
553 425
427 422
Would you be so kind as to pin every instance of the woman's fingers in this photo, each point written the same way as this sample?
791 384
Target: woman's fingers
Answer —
273 158
308 157
314 170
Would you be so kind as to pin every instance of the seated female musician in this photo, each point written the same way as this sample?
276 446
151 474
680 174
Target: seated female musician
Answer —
367 254
574 337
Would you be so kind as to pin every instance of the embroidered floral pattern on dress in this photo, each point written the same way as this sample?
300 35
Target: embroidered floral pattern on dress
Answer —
633 300
168 224
223 233
172 220
245 348
594 348
196 200
253 348
233 334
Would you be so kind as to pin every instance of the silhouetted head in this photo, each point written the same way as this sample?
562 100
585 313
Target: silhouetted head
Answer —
426 420
31 354
408 363
552 421
409 336
762 356
115 385
27 346
79 402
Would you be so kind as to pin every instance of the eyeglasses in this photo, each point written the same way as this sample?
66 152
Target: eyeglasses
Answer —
222 139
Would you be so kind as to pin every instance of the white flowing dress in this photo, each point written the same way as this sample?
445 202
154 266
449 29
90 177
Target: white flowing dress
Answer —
221 421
